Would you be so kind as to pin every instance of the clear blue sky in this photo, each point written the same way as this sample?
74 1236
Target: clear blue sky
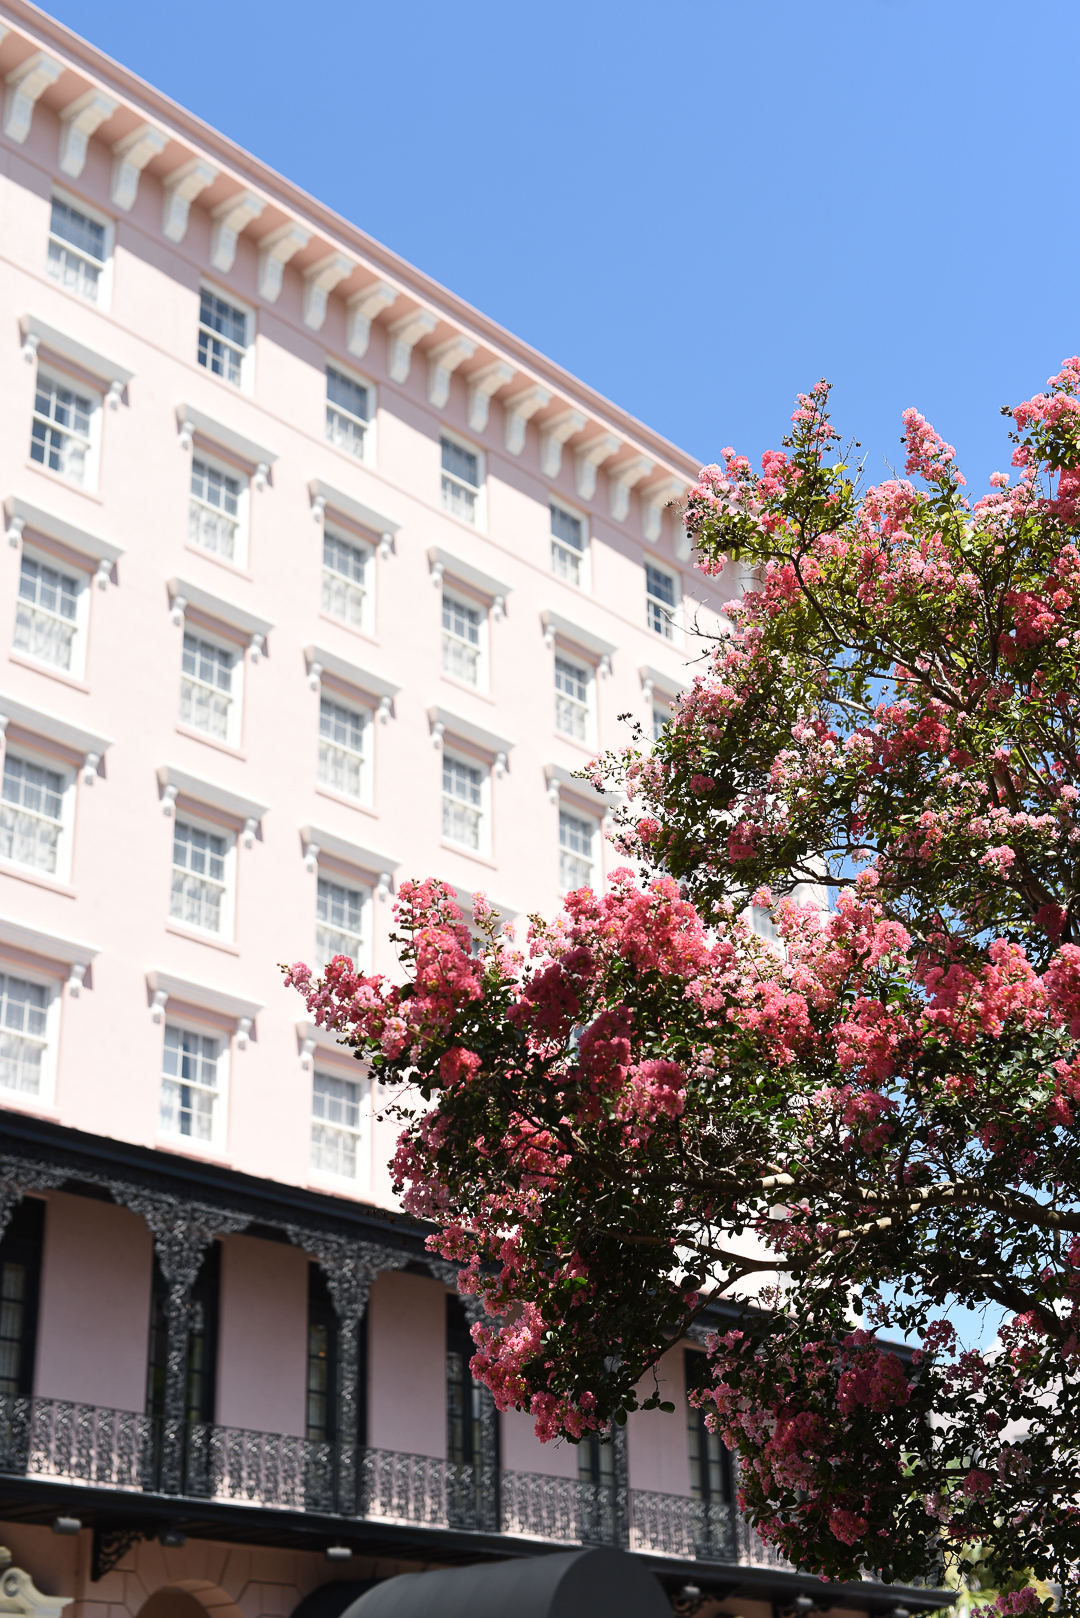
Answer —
698 207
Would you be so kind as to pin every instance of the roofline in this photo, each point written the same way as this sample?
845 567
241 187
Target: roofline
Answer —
292 199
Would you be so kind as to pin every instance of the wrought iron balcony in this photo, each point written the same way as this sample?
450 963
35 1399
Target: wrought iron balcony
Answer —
90 1446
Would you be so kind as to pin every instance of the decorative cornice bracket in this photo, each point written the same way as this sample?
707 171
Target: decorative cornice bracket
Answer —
320 279
404 334
79 120
361 310
275 250
518 410
25 84
621 479
588 458
553 435
230 218
130 156
443 360
180 188
482 384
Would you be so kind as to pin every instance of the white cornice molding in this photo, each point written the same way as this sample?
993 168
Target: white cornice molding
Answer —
443 723
320 661
481 385
589 456
653 501
174 782
20 514
39 722
556 627
317 840
464 897
320 279
130 156
166 986
361 309
445 562
191 420
180 188
518 411
37 334
276 248
443 360
404 334
229 219
79 120
623 477
183 594
553 435
324 497
669 685
50 946
559 780
25 84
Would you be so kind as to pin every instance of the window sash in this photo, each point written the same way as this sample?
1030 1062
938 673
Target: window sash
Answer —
76 254
461 648
223 337
339 915
460 480
565 563
189 1083
214 509
46 612
575 851
206 699
60 431
659 602
344 580
31 814
199 887
660 717
23 1042
335 1125
346 413
341 748
571 699
462 803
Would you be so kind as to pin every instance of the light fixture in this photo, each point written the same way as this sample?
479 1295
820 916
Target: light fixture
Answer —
899 1612
803 1604
172 1537
67 1525
338 1553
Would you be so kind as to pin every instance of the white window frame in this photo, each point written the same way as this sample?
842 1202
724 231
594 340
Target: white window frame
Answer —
368 455
213 828
219 1131
483 847
570 654
225 469
63 379
480 524
79 624
471 604
659 705
584 580
361 1134
104 285
675 611
234 729
246 383
351 706
353 884
69 775
335 531
53 986
582 815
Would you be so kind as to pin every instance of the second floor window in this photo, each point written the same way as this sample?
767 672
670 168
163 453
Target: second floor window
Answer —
460 480
575 851
567 545
206 686
462 802
335 1125
346 412
660 717
200 1392
321 1361
341 748
464 1396
223 337
61 437
214 510
189 1084
46 613
710 1461
199 877
77 249
571 698
20 1274
659 601
23 1043
339 922
32 814
461 631
344 580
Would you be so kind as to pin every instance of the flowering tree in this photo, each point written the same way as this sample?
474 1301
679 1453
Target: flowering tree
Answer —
864 1127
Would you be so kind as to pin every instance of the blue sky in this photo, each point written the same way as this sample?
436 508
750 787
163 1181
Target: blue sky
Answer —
698 207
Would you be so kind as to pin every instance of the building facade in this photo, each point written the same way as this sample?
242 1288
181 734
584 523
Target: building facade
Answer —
315 579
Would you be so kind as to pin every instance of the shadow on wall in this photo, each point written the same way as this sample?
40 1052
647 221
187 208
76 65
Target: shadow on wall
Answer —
189 1598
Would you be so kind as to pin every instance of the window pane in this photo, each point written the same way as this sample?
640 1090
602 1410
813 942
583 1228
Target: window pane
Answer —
75 227
660 600
461 639
45 612
341 747
460 463
30 813
571 698
206 685
339 914
343 391
198 878
566 528
335 1124
223 318
23 1008
575 850
462 788
60 435
189 1082
344 577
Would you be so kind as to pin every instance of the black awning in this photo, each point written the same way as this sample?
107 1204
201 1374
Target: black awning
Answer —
574 1584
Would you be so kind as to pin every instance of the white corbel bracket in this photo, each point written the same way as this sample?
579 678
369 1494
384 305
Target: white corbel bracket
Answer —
385 709
255 647
518 411
130 157
553 435
307 1052
311 857
437 571
621 479
79 120
500 765
262 472
187 435
438 731
90 768
382 887
76 974
168 799
230 218
25 85
30 346
247 836
653 501
14 531
589 456
158 1003
315 674
443 361
115 394
243 1033
404 334
319 281
180 189
275 250
318 508
179 608
482 384
386 547
553 791
361 310
104 571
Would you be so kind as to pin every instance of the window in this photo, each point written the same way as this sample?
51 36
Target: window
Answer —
63 429
321 1361
462 801
32 814
223 337
464 1397
345 581
47 612
340 922
199 877
567 545
215 510
24 1009
335 1125
461 639
20 1273
78 250
461 480
189 1084
575 850
571 698
347 413
710 1461
209 687
660 717
200 1396
341 748
596 1482
659 601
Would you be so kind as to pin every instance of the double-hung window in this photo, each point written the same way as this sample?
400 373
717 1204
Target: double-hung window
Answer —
341 748
47 612
190 1084
567 545
209 686
78 250
200 877
348 412
462 640
216 509
24 1013
571 698
345 581
64 428
660 717
462 802
659 601
575 850
223 337
32 831
339 928
461 480
335 1125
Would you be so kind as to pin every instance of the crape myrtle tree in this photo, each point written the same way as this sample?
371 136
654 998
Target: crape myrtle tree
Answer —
863 1127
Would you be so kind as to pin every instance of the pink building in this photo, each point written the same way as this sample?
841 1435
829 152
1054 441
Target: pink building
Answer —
315 578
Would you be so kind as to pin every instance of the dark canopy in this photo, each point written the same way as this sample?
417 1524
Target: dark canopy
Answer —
573 1584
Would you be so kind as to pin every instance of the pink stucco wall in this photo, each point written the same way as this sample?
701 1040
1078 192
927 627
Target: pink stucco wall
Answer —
95 1304
657 1448
262 1341
407 1364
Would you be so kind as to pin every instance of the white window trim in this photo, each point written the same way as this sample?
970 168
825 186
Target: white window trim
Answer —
676 611
480 525
92 463
347 878
483 659
483 848
227 930
361 1180
51 982
570 654
219 1134
370 454
239 557
366 715
235 731
571 807
104 298
38 755
81 623
338 531
247 360
585 556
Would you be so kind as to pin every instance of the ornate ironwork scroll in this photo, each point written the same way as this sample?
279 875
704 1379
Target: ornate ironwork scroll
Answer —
17 1177
621 1458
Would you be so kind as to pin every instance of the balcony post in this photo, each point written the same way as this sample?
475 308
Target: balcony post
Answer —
489 1510
621 1459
